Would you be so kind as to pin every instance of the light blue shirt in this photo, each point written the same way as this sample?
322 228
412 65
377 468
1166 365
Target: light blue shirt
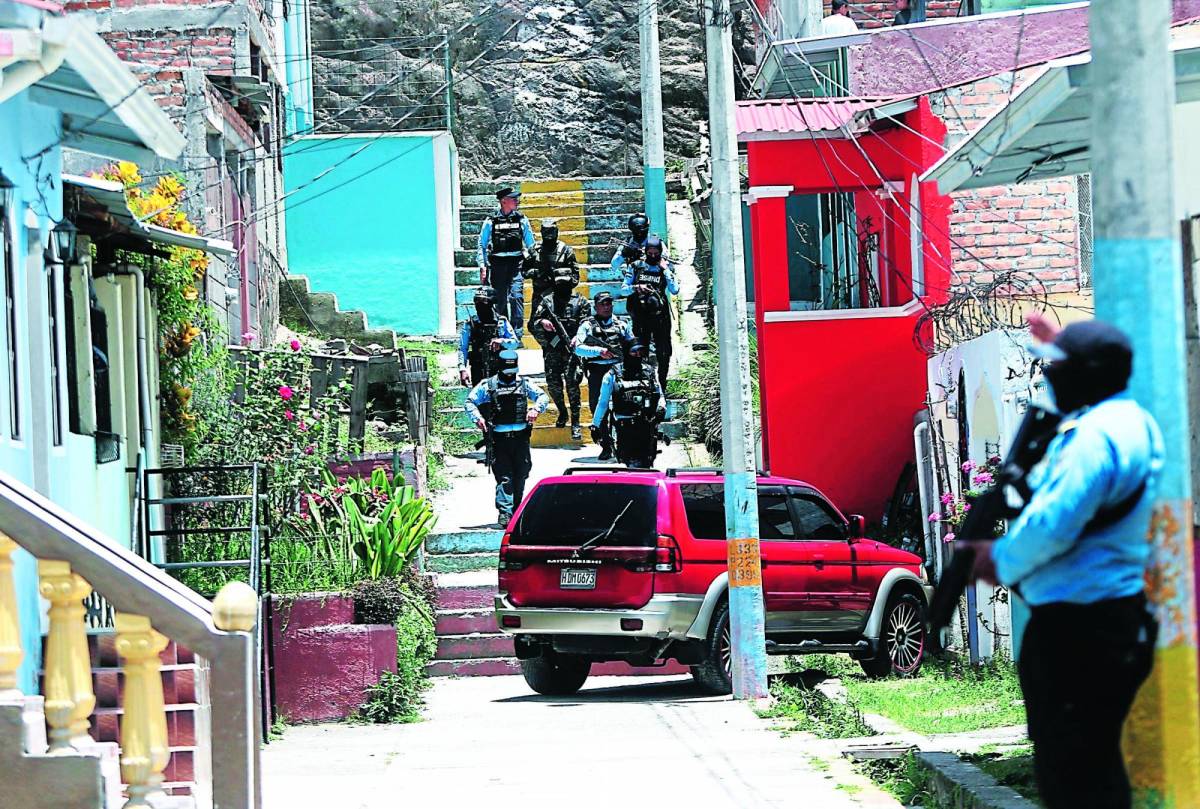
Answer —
485 239
504 331
591 352
618 260
1099 459
479 396
606 393
668 273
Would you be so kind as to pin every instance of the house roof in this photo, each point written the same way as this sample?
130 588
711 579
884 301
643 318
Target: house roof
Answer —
1045 130
105 109
109 197
774 119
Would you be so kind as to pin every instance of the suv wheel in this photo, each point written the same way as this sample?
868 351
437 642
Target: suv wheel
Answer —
901 639
715 674
555 674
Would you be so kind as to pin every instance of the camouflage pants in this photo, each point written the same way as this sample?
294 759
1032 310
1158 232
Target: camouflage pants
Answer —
557 363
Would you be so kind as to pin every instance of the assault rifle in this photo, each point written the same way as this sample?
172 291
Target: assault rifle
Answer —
1007 498
574 367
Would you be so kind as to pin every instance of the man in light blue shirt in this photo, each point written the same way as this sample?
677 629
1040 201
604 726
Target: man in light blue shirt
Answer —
633 403
631 250
599 343
1077 554
482 337
504 407
505 241
649 286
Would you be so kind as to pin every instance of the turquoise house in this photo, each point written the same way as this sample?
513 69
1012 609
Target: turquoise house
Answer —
373 218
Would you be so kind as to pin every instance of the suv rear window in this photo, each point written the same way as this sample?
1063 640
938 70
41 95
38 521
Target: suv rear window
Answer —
572 513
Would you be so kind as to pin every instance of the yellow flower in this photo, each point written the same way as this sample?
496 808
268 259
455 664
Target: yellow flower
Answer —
169 187
190 293
128 172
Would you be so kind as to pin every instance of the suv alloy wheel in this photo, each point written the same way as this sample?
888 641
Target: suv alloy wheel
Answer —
901 639
715 674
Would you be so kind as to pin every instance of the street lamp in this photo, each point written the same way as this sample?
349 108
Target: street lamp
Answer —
64 240
8 193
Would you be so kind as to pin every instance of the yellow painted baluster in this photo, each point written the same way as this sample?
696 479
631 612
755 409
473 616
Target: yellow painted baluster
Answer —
11 654
68 680
144 747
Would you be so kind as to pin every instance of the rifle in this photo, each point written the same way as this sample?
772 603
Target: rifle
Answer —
1007 498
489 448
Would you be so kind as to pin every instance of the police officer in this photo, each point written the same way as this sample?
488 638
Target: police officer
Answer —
649 284
549 256
555 322
1077 554
637 405
599 343
483 336
505 241
504 407
639 231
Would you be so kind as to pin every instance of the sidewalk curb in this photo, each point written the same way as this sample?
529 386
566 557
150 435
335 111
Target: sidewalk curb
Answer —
964 786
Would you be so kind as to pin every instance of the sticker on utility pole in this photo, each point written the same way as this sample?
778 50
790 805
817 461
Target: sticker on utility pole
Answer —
745 569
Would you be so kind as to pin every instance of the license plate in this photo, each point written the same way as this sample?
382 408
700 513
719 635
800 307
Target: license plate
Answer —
576 578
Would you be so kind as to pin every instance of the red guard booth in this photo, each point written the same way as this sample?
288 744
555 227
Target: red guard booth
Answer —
847 250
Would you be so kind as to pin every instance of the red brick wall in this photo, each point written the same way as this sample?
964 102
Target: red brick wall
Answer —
880 14
1032 227
157 57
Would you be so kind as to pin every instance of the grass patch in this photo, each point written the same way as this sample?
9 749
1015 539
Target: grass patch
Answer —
904 779
1011 767
947 697
806 709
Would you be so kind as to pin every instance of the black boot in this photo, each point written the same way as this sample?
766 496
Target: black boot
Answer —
562 419
576 430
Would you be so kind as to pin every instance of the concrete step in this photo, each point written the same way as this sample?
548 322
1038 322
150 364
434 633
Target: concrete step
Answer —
549 418
463 542
552 184
567 224
488 201
595 235
474 646
465 622
467 590
461 562
466 274
558 206
500 666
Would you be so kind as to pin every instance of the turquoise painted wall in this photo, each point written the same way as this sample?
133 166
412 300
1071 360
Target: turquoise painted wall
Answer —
364 225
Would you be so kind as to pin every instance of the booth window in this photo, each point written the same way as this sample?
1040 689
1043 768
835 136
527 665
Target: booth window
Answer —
831 256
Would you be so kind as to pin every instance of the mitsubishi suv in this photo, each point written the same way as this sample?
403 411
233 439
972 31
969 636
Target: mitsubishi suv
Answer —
630 565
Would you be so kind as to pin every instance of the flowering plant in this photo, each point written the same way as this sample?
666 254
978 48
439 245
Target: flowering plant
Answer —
955 506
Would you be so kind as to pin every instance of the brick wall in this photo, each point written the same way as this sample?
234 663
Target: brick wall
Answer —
1032 227
158 58
881 14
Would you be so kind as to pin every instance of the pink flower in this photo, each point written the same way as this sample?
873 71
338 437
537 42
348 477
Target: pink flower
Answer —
316 415
295 344
948 499
248 337
303 426
310 449
949 537
969 466
285 392
935 517
289 415
983 479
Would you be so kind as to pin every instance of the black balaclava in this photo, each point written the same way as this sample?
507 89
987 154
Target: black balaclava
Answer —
633 361
565 280
485 305
550 235
654 250
1095 363
639 226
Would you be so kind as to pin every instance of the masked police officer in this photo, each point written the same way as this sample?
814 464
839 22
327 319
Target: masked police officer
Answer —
504 407
649 284
549 256
505 241
639 231
483 336
555 322
599 343
1077 554
633 401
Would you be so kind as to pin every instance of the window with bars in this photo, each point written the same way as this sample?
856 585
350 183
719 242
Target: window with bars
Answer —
1083 204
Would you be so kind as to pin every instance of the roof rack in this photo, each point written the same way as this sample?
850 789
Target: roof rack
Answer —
600 470
705 470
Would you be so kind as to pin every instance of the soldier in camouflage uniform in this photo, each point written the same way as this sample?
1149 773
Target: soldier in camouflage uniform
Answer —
555 322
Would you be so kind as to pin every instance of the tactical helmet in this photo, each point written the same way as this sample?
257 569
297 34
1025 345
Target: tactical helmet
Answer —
565 278
654 249
639 226
507 362
485 304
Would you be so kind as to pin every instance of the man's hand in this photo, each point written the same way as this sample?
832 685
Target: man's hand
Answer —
497 344
482 425
531 417
606 354
546 324
985 566
1042 328
595 433
464 376
483 275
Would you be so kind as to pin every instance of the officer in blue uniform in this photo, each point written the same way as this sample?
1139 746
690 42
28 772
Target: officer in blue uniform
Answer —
505 242
599 344
504 407
633 402
631 250
482 337
649 285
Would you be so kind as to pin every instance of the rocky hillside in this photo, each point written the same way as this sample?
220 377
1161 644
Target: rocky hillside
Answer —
555 95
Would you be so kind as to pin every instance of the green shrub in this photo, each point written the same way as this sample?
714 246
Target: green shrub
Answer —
378 601
702 382
810 710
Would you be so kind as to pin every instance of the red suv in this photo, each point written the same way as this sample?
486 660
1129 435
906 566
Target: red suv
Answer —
630 565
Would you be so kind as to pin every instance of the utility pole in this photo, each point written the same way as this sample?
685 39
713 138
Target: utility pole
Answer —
654 171
746 615
1138 282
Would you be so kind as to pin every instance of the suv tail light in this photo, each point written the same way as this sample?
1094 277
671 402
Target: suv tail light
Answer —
505 562
667 558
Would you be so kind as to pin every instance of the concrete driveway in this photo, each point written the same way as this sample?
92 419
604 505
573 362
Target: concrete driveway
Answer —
621 743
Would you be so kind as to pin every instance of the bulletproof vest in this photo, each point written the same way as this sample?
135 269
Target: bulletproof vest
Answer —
480 343
609 335
559 257
506 233
635 397
572 314
509 404
643 273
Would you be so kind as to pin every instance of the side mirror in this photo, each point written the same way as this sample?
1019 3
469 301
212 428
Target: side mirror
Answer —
857 529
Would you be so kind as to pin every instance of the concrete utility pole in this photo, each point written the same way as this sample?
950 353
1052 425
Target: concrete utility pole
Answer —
653 154
746 616
1138 283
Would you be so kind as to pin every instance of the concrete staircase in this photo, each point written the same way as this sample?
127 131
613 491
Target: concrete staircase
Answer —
36 780
469 643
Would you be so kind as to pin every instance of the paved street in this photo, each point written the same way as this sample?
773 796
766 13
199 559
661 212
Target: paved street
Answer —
618 744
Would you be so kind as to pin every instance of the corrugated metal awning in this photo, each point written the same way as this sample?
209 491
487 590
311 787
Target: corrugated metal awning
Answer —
786 118
111 196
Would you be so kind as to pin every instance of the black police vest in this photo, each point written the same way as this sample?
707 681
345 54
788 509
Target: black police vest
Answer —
572 314
635 398
642 274
609 335
506 233
482 335
509 403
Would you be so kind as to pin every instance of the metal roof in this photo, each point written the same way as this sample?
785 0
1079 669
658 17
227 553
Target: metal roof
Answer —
111 197
1045 131
781 118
